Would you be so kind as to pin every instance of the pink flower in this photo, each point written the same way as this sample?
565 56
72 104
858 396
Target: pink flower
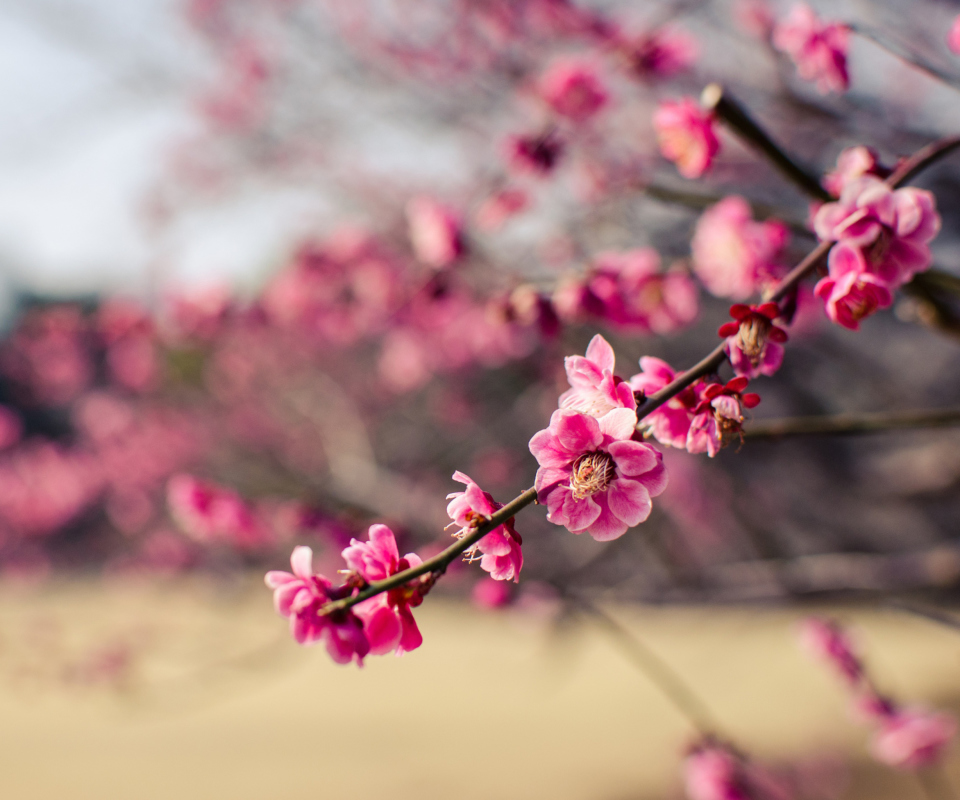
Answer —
502 556
534 155
592 477
660 53
435 232
851 292
670 423
827 641
573 89
212 514
500 207
953 37
852 163
753 341
387 619
818 49
712 772
718 418
913 738
300 596
637 297
892 227
595 390
686 136
733 255
488 593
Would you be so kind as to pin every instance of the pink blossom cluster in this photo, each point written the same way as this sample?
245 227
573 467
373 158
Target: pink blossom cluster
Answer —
818 48
754 342
212 514
381 624
715 771
573 89
703 418
659 53
629 292
903 737
882 240
734 256
593 475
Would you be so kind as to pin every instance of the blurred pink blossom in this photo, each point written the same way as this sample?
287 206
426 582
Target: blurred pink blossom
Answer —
851 291
953 36
660 53
534 155
211 514
686 136
435 232
852 163
573 89
913 738
818 49
827 641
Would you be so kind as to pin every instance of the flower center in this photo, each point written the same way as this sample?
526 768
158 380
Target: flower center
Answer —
753 337
592 473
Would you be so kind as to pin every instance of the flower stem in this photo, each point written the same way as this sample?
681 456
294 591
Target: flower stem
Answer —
848 424
899 51
715 98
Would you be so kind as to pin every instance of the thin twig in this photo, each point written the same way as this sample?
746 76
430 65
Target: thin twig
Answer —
922 159
931 614
850 424
715 98
899 51
683 698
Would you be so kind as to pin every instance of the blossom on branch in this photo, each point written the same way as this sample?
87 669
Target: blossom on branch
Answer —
301 595
592 477
913 738
753 341
853 163
851 291
670 423
718 417
686 136
573 89
534 155
501 550
819 49
595 390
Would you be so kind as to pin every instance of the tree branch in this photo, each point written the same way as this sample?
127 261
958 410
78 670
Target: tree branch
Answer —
851 424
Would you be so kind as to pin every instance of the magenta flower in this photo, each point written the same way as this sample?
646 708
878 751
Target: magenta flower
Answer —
718 418
592 477
573 89
734 256
660 54
670 423
435 232
686 136
712 772
636 297
851 292
387 619
953 36
852 163
534 155
595 390
753 341
913 738
892 227
300 595
501 553
818 49
212 514
827 641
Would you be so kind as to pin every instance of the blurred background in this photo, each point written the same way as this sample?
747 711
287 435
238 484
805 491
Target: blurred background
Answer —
271 270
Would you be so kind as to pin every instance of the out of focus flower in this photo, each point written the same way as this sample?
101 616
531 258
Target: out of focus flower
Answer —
670 423
211 514
435 232
851 291
753 341
733 255
712 772
595 390
953 36
891 227
387 618
299 596
754 17
489 593
686 136
573 89
819 49
499 208
827 641
660 54
11 428
852 163
592 477
913 738
534 155
501 553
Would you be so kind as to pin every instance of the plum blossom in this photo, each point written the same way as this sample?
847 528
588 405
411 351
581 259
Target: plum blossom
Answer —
212 514
818 49
592 477
435 232
500 207
827 641
534 155
753 341
851 291
733 255
301 595
660 53
501 550
686 136
573 89
853 163
670 423
594 389
718 417
891 226
712 772
912 738
387 619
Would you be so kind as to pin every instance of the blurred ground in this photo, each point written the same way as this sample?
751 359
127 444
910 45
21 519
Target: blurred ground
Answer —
217 702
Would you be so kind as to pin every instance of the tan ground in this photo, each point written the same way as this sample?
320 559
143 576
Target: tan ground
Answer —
221 704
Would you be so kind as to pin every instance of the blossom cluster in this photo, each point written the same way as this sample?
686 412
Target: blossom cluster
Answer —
904 737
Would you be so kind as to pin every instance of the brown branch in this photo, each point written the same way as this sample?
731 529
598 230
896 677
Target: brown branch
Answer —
922 159
851 424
